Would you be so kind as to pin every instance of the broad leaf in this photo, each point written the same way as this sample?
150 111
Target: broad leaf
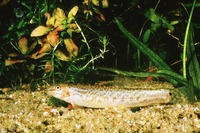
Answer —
40 31
53 38
45 48
71 47
48 67
61 55
59 14
23 45
60 28
37 55
50 21
72 13
73 27
146 35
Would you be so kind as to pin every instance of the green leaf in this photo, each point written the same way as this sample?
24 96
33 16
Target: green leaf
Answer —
30 14
155 26
161 73
167 25
63 33
44 10
21 23
152 15
5 36
28 7
193 64
172 75
33 45
10 28
146 35
189 50
174 22
69 32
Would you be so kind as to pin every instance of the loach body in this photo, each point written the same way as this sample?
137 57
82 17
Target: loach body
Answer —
104 96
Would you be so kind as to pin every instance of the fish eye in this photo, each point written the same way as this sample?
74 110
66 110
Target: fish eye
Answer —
57 87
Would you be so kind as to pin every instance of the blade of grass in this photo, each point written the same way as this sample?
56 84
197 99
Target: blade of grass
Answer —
193 64
186 39
172 75
161 73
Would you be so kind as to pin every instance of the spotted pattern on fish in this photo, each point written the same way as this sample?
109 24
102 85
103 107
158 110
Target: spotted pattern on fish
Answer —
103 96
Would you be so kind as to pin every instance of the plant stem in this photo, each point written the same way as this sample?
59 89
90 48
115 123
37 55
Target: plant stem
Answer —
85 40
52 61
185 40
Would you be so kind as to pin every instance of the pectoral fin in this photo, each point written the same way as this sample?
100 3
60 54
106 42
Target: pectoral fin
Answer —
74 106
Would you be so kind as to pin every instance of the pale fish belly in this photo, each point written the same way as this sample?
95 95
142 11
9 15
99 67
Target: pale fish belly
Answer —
102 97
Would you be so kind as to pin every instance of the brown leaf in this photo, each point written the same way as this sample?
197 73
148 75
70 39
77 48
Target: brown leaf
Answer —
48 67
71 47
60 28
105 3
13 55
47 15
62 55
40 31
45 48
37 55
86 2
101 16
88 11
23 45
10 62
73 27
53 38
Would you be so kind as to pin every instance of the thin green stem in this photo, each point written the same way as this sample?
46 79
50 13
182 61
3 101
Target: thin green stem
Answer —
95 58
52 61
140 34
186 39
85 41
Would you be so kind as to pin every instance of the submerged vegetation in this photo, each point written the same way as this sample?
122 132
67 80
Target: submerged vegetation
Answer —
66 41
45 42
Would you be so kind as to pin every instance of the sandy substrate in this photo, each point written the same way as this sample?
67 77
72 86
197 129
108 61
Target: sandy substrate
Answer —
22 111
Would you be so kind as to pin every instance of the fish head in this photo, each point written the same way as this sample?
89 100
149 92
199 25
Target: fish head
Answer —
59 91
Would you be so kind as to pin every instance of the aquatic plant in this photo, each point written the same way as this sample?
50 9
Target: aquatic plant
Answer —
190 79
45 46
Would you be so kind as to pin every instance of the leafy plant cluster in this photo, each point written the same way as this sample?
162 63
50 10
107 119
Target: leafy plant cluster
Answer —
40 42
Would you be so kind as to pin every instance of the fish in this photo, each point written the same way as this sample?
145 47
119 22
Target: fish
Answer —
96 96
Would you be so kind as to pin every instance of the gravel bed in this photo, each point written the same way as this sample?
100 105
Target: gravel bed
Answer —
22 111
